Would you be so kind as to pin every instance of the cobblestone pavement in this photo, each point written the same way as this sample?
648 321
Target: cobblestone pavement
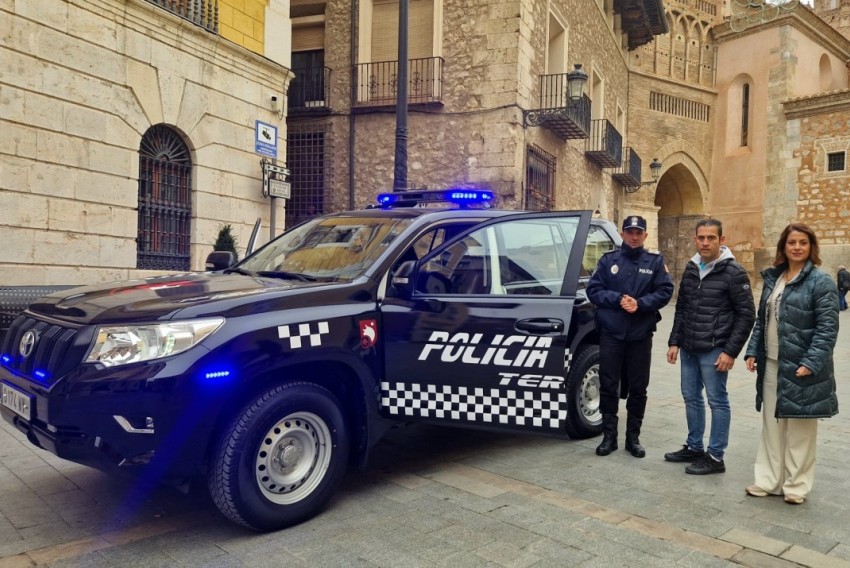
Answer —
447 497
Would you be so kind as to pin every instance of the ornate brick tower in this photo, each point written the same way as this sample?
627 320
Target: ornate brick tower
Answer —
836 13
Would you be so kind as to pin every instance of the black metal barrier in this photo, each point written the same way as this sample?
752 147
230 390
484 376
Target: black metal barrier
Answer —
15 299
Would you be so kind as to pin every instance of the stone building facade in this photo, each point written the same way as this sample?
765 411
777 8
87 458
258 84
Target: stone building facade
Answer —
106 104
487 78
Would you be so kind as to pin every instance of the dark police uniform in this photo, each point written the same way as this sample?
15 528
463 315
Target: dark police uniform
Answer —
626 339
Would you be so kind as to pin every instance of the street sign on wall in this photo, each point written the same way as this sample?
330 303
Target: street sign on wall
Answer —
265 139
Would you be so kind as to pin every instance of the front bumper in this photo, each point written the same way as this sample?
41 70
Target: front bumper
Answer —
119 420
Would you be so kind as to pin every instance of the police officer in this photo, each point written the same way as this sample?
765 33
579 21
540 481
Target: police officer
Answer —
629 287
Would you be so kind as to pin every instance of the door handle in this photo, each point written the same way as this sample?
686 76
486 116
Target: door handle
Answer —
541 325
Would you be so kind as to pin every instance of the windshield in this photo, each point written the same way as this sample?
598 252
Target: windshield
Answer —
330 249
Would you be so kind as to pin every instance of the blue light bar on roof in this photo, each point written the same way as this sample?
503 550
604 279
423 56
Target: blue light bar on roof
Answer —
462 197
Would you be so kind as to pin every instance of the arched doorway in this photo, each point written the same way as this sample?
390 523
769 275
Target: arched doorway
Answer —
678 196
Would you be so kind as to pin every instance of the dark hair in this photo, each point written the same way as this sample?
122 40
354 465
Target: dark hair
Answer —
707 222
814 254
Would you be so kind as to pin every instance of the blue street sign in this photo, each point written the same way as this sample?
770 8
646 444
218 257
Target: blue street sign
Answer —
265 139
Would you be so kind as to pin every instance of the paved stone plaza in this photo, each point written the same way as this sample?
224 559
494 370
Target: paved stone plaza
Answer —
447 497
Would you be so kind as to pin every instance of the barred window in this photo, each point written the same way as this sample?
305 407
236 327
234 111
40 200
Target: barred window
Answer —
835 161
165 201
309 156
539 180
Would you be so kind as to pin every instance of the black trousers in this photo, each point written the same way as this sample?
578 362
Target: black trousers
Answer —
624 369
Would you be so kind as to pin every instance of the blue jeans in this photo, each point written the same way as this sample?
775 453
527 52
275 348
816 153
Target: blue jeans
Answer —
842 300
698 372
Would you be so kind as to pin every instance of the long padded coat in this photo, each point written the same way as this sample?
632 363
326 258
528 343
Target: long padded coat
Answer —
808 329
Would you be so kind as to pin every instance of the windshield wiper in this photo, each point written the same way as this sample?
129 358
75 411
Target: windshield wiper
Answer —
289 275
239 270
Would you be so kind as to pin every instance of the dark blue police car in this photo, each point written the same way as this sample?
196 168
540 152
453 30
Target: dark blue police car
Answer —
269 377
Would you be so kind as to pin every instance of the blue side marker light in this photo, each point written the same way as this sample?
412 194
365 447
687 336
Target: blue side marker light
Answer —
41 375
217 374
5 359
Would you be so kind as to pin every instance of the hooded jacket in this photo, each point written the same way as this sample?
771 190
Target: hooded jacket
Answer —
715 306
808 329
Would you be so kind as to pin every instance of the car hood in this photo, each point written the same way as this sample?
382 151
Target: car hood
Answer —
160 298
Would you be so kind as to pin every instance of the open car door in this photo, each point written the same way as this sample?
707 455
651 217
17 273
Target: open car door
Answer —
482 336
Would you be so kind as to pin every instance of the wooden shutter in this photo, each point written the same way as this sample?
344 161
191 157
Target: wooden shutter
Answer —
308 38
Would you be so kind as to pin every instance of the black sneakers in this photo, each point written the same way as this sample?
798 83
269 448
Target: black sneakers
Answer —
706 465
684 455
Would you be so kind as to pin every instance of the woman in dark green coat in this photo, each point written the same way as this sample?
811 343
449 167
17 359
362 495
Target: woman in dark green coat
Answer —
791 350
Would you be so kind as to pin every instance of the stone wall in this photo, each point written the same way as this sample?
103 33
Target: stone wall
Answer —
81 82
493 53
821 125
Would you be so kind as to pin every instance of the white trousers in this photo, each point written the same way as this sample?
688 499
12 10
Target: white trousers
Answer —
785 463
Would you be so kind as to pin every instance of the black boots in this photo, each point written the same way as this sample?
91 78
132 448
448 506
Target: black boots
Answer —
633 447
609 435
633 425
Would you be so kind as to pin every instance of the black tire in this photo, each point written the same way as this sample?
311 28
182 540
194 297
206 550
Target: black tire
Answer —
584 419
281 459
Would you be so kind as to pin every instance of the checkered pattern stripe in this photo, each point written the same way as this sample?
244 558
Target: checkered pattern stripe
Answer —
568 361
298 334
490 406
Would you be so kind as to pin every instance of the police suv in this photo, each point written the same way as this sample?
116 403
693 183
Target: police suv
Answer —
270 376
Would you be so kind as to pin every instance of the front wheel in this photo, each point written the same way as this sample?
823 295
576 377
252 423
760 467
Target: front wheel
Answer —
281 459
584 390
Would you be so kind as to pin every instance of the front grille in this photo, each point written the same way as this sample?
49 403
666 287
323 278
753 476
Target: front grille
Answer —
53 353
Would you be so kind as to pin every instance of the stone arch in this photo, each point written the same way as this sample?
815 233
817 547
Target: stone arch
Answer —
680 197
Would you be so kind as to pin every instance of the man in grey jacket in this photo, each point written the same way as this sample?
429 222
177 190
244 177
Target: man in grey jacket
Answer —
715 313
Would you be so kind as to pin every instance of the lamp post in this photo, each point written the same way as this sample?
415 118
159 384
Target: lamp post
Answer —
655 169
400 167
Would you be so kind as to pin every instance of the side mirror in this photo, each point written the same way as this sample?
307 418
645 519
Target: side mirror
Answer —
220 259
402 277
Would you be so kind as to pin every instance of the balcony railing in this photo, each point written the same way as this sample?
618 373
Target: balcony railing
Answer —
605 145
377 83
201 12
310 90
628 174
568 119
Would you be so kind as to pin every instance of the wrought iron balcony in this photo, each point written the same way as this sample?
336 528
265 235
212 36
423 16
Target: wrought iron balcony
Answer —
310 91
201 12
628 174
605 145
568 119
377 82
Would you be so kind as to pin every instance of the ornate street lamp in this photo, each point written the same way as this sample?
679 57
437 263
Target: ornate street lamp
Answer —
575 83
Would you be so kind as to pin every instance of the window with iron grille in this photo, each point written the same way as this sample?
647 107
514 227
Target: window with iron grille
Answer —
539 180
835 161
309 157
165 201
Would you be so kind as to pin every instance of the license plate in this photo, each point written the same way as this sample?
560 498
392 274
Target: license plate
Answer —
18 402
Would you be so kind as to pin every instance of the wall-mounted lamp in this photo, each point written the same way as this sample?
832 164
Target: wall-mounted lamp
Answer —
575 83
655 168
276 105
556 97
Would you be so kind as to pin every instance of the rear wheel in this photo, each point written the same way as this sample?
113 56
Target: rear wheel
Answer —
280 461
584 418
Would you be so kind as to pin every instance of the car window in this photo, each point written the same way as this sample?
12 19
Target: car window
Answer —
598 243
521 257
330 248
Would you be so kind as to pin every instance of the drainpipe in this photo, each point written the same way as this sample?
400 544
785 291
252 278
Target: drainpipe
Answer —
355 9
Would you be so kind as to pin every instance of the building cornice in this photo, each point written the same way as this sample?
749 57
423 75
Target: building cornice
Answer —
802 18
800 107
671 81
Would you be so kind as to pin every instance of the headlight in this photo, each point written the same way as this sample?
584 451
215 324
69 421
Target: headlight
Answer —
118 345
